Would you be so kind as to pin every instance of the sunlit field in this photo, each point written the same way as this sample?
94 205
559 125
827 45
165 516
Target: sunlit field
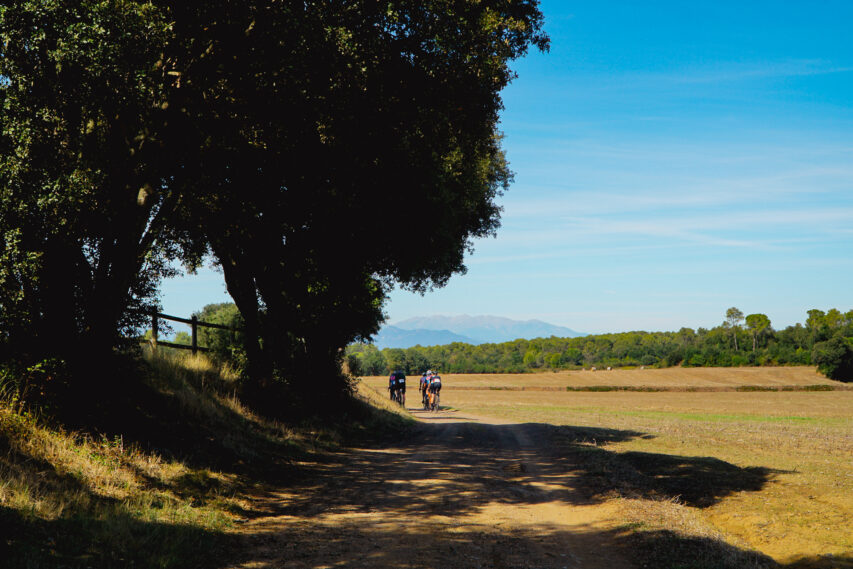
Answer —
666 378
800 440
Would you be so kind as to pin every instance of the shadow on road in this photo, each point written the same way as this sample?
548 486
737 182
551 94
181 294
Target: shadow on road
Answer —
369 507
520 464
372 545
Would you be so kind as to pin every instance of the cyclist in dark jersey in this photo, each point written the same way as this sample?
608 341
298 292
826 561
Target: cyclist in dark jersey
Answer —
401 387
435 386
392 384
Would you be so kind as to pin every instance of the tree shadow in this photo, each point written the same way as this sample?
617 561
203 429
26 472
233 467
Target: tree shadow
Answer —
118 542
822 562
696 481
192 424
513 464
693 480
663 548
359 543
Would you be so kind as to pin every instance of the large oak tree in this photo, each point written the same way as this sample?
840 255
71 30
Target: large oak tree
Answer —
322 151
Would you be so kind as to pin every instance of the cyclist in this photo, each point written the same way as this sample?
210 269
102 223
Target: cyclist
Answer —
434 388
401 387
423 388
392 384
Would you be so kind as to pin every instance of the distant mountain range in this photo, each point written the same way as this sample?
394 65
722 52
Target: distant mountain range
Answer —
439 330
395 337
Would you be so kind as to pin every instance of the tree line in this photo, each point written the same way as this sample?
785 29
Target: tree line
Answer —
140 136
824 340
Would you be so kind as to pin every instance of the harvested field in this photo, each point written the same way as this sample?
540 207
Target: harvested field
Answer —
727 472
675 378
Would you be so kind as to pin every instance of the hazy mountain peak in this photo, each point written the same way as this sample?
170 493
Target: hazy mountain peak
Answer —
486 328
395 337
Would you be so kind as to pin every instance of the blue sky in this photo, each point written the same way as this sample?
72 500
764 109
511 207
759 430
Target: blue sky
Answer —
671 161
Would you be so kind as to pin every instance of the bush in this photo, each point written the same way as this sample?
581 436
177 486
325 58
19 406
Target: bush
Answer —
354 365
834 358
696 360
740 360
648 360
227 345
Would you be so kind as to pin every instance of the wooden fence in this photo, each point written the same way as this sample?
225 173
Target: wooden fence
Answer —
194 324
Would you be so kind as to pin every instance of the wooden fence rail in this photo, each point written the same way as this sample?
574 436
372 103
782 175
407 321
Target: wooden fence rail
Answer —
194 324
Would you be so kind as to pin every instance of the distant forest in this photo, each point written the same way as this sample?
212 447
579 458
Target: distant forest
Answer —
825 340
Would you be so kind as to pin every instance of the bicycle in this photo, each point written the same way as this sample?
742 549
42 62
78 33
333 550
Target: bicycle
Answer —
434 401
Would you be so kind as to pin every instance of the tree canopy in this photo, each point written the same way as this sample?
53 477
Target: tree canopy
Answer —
84 210
296 143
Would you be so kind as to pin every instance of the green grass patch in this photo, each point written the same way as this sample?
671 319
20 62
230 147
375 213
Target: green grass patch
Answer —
818 387
814 387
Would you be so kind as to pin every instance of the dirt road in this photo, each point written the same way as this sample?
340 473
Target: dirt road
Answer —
463 492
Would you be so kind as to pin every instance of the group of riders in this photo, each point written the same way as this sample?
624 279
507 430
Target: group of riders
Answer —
429 388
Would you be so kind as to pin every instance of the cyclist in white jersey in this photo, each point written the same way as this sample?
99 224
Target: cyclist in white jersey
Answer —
435 385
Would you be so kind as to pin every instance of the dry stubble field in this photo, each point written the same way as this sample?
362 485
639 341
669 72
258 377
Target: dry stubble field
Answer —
793 448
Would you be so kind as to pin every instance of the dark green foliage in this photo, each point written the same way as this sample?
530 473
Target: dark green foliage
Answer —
83 211
715 347
834 358
343 113
183 338
225 344
138 133
370 360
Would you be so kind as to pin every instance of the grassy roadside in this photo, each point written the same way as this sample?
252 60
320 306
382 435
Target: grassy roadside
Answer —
164 488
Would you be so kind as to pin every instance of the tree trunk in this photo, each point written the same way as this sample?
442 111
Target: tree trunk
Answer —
58 331
241 286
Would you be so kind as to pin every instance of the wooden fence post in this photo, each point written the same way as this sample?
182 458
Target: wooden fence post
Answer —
195 330
155 324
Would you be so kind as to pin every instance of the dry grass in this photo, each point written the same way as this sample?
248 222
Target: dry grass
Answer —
171 487
802 440
666 533
78 499
786 407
